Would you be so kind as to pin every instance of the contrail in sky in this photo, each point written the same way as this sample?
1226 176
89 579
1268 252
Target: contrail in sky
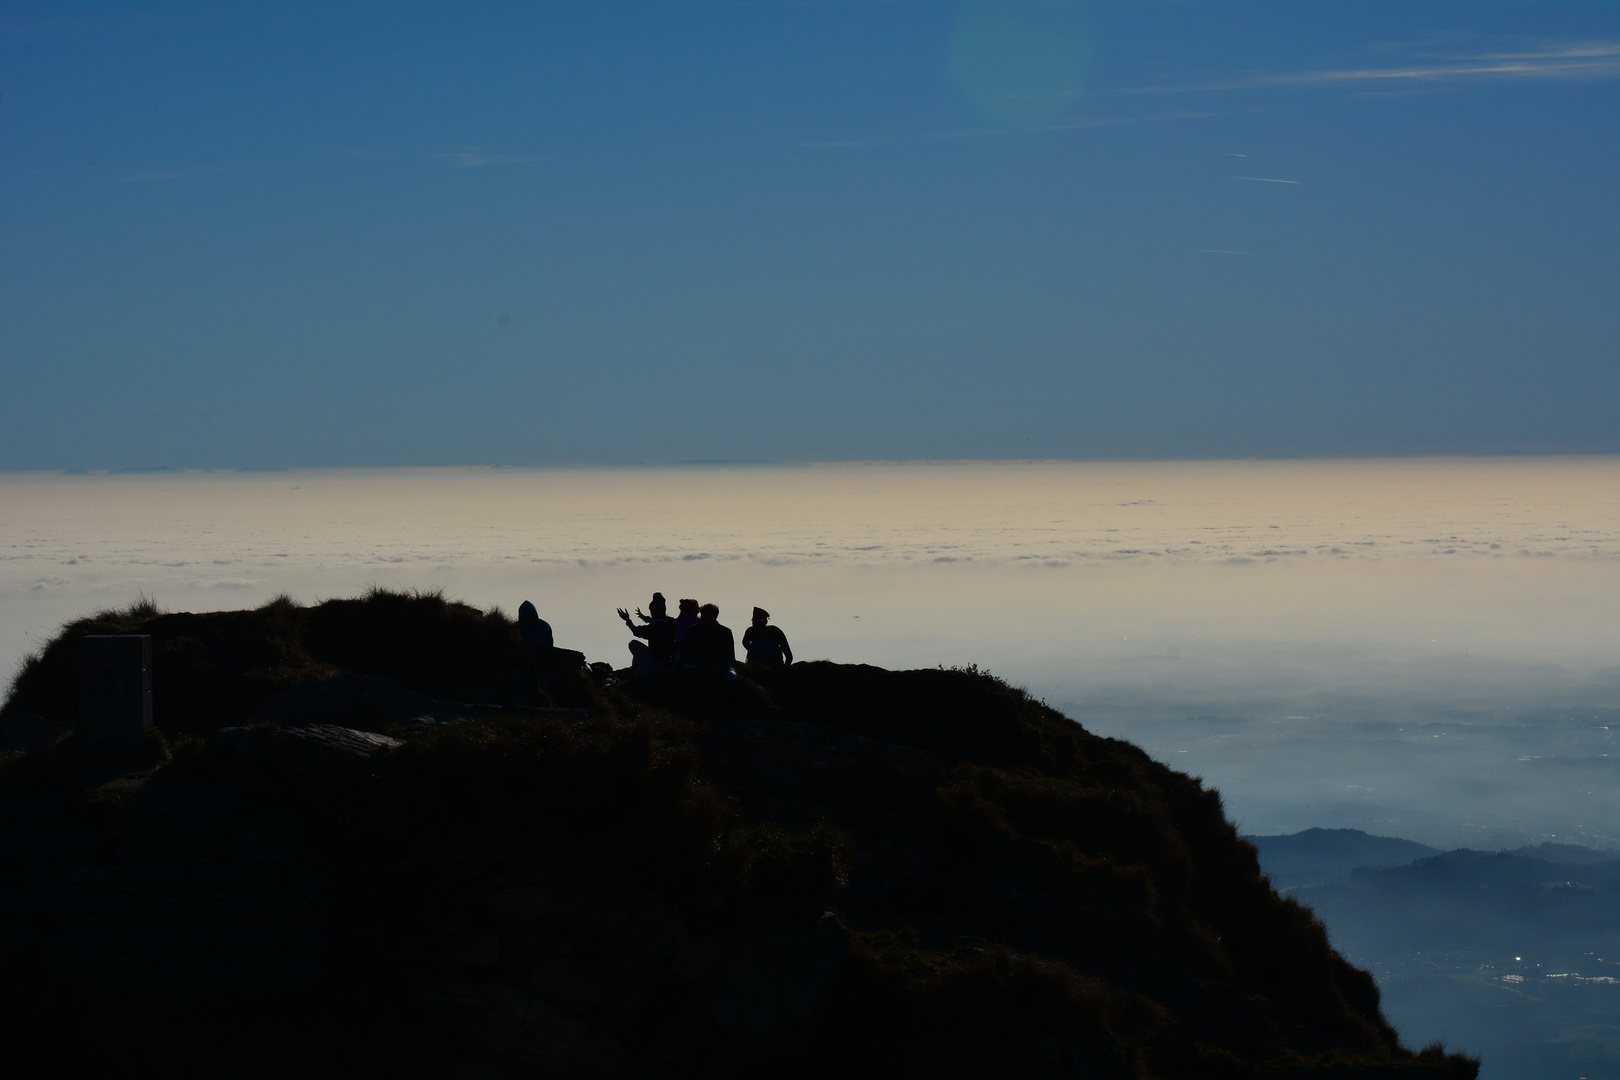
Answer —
1266 179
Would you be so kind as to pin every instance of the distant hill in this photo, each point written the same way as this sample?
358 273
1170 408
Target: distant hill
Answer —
1484 902
1512 955
1318 856
1568 853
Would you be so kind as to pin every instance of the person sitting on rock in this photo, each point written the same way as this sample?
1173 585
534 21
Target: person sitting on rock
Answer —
556 672
709 648
531 627
763 644
647 658
685 620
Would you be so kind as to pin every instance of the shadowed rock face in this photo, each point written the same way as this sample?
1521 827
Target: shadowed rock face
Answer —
826 868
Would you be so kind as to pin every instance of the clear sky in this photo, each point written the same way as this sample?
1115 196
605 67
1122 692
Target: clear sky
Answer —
609 232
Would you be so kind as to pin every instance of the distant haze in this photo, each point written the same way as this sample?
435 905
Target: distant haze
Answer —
1424 648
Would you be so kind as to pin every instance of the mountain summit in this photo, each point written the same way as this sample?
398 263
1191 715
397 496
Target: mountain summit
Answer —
379 837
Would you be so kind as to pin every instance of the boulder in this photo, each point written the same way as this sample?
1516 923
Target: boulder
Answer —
313 755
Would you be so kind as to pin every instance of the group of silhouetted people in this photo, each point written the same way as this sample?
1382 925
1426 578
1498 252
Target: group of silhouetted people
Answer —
695 641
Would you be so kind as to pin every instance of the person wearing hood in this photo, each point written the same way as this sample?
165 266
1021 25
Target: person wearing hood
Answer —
531 627
765 644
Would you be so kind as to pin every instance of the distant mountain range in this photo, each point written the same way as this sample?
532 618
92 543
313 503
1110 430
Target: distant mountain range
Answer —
1511 955
1324 856
1317 856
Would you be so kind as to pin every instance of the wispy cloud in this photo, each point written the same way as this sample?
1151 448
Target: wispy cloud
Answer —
1573 61
1267 180
1567 51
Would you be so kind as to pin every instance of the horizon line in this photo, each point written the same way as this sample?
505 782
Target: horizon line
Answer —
268 470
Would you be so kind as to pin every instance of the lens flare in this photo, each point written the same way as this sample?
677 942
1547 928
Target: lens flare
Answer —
1021 61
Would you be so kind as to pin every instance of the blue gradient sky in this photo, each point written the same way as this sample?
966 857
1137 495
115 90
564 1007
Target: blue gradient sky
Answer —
283 234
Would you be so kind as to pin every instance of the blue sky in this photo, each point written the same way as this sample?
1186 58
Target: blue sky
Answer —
302 235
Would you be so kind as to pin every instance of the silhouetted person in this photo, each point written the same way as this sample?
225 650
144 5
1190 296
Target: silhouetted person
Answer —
533 629
685 620
647 658
764 644
709 648
556 670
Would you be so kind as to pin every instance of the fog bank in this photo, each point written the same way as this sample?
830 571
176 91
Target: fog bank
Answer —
1293 631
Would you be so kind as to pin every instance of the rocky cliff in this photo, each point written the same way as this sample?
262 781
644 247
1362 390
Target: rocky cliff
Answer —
377 837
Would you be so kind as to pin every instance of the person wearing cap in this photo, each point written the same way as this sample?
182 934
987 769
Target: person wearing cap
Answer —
764 644
647 658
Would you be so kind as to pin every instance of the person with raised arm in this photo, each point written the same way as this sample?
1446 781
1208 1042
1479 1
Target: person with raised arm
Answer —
649 656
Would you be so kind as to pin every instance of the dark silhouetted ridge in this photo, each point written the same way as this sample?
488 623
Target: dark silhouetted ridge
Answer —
378 837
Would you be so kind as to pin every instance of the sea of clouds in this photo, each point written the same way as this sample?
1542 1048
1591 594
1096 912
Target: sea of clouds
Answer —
1420 648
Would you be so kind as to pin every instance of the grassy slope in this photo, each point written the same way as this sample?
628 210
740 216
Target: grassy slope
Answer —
1022 898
